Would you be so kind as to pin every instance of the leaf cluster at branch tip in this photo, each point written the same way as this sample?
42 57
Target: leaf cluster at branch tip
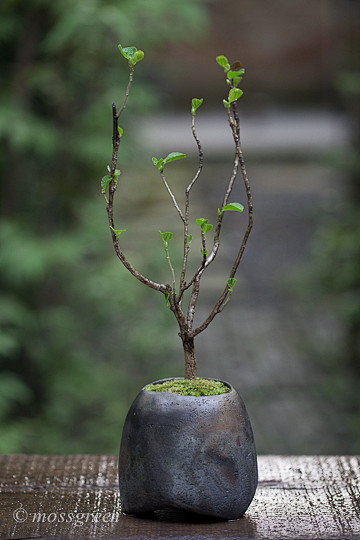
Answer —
195 104
204 225
166 236
233 77
132 54
173 156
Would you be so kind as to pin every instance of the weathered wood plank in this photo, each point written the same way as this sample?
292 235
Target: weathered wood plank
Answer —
77 497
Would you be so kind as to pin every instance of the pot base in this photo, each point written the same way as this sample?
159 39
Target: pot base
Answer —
191 453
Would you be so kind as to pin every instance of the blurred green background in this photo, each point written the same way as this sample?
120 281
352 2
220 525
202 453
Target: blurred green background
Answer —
78 336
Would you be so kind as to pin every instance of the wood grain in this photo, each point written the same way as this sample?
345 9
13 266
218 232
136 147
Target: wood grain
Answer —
77 497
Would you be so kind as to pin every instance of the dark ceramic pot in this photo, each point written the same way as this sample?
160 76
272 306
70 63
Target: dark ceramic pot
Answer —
193 453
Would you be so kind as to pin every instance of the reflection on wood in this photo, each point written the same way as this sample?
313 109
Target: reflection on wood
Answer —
77 497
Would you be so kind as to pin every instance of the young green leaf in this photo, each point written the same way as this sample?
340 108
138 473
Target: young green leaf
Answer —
233 77
127 52
189 238
166 236
167 299
223 62
206 228
234 94
105 181
120 131
131 54
117 232
195 104
201 221
204 225
226 104
237 207
236 80
116 175
233 74
173 156
139 55
159 163
230 283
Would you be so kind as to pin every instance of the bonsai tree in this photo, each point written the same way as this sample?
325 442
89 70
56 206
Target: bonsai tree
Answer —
174 292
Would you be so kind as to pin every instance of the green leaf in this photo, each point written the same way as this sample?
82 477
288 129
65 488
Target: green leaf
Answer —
195 104
159 163
226 104
117 232
189 238
237 207
223 62
204 225
167 298
116 175
206 228
173 156
230 283
127 52
105 181
233 77
120 131
139 55
166 236
234 94
201 221
131 54
236 80
231 74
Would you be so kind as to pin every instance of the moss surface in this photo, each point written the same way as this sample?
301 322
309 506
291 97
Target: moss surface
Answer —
187 387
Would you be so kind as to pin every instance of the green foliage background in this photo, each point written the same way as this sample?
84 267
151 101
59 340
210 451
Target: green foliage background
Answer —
75 340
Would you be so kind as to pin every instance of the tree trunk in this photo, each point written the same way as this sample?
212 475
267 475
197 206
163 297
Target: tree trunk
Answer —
190 360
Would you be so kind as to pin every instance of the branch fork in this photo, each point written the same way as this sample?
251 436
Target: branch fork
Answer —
174 299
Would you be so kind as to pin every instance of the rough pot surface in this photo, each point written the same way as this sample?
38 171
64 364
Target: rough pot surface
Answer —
193 453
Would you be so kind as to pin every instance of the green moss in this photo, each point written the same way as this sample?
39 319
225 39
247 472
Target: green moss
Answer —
187 387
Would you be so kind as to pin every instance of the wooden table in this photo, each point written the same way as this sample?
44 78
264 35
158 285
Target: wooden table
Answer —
77 497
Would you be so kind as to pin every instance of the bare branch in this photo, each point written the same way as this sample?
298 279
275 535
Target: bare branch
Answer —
222 301
171 267
127 92
216 243
172 197
187 209
110 200
201 156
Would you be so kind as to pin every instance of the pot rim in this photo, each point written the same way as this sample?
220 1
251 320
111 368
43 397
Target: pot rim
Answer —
159 381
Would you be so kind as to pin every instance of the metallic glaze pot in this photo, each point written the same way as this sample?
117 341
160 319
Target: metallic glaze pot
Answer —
192 453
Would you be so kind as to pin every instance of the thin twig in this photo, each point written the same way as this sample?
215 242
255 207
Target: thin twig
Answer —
187 209
110 200
216 243
171 266
172 197
222 301
127 92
